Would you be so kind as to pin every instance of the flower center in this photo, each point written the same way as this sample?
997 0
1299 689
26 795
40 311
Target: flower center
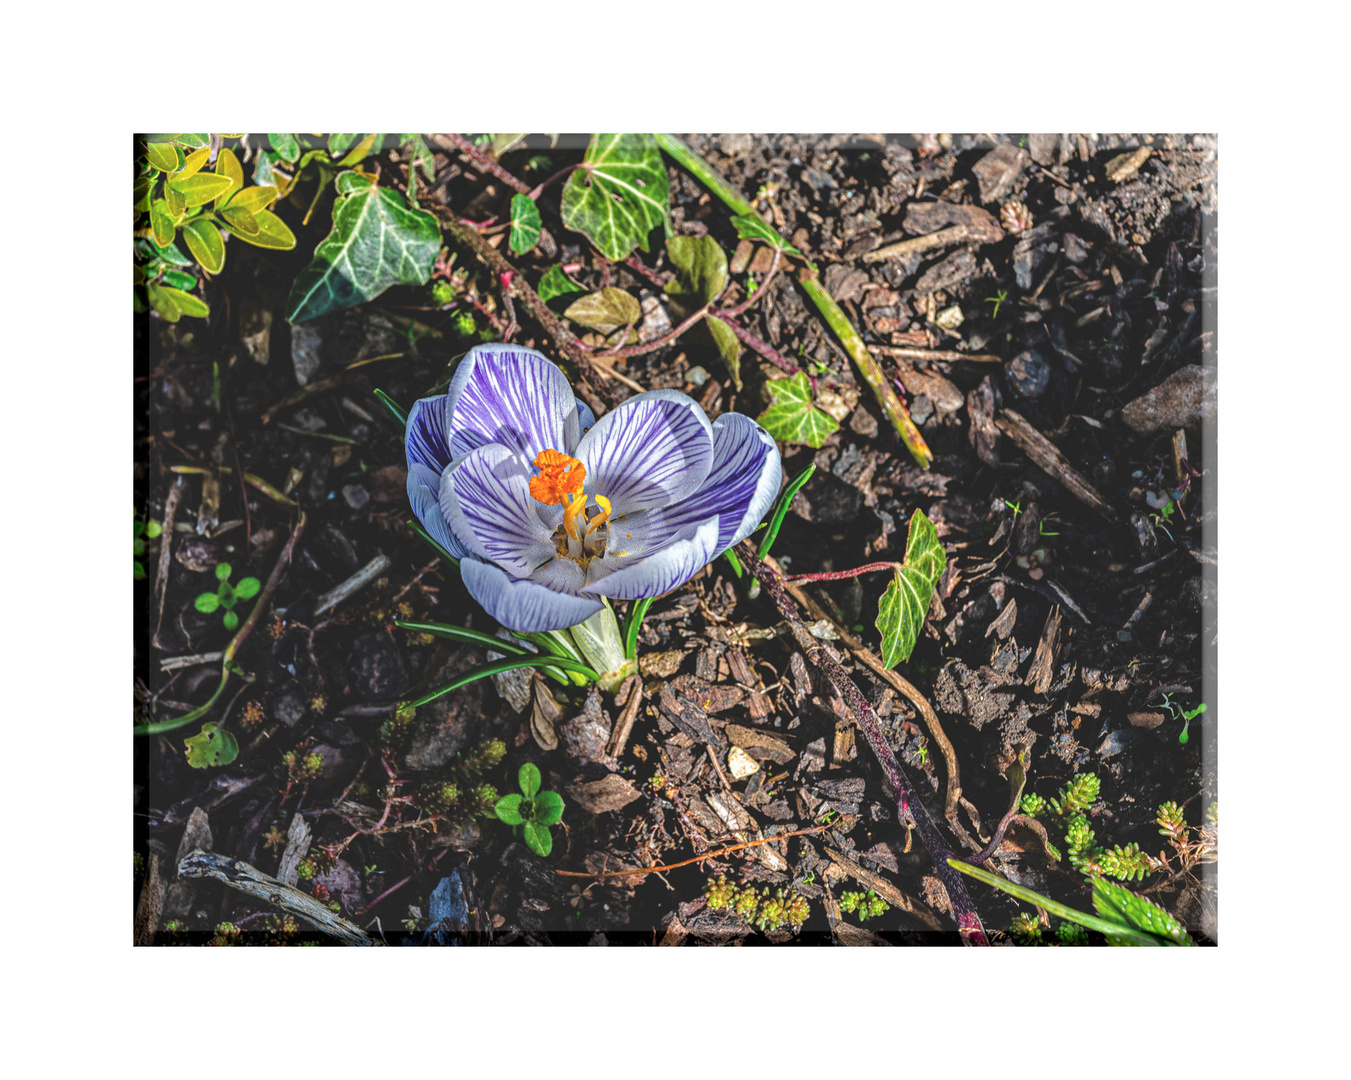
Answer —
581 537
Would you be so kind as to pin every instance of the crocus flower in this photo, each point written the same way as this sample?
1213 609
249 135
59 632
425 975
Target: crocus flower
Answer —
550 510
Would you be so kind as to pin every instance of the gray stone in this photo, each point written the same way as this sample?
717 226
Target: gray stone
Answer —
306 344
997 171
1182 400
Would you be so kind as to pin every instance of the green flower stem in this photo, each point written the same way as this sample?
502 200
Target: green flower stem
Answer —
637 612
781 510
1092 922
505 665
557 643
892 406
227 658
599 641
427 539
395 410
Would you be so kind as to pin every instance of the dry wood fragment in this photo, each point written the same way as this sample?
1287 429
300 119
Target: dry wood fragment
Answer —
150 904
353 584
297 847
939 355
954 234
1048 457
253 882
179 898
1124 166
1043 663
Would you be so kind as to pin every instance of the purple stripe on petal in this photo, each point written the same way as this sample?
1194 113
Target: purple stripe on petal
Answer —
522 603
673 565
513 396
427 439
423 488
486 499
652 450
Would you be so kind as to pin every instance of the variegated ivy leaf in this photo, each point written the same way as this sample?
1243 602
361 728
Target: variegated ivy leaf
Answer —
618 194
525 224
794 417
606 310
905 604
378 240
556 283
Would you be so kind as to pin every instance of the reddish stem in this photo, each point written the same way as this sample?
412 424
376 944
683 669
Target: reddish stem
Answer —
486 163
765 349
841 575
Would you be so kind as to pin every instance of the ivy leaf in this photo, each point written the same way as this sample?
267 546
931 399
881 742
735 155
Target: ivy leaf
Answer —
378 240
203 240
339 142
358 152
618 194
537 838
606 310
701 272
902 610
793 417
556 283
528 779
751 227
549 808
211 747
1119 904
508 809
286 147
525 224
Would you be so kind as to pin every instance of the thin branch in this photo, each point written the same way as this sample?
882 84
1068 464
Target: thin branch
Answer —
482 160
661 342
842 575
909 809
742 307
766 350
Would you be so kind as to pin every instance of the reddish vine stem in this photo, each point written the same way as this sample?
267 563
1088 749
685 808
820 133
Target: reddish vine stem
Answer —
768 351
482 160
744 306
909 809
841 575
659 343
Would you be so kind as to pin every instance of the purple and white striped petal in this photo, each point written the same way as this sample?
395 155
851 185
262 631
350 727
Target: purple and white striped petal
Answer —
424 496
427 438
486 499
677 562
652 450
740 489
514 396
524 603
586 420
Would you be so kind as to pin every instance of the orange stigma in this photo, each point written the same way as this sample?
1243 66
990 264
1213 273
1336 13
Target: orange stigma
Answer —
560 477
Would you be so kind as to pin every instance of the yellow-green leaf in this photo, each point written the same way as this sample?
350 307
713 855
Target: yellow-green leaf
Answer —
227 164
358 152
211 747
192 164
606 310
140 193
203 239
241 222
201 189
254 199
272 232
164 156
186 302
162 223
162 302
176 203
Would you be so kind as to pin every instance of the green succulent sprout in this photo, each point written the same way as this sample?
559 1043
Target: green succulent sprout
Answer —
144 530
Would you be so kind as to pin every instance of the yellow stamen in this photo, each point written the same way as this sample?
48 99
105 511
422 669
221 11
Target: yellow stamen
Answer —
560 478
572 510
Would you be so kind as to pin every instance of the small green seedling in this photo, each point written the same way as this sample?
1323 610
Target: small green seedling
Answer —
532 812
1185 715
864 905
751 285
145 530
996 300
226 596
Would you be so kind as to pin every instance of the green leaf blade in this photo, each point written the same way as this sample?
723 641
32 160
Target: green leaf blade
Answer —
606 310
203 240
549 808
905 604
525 224
377 240
529 779
508 809
556 283
618 195
537 838
211 747
793 417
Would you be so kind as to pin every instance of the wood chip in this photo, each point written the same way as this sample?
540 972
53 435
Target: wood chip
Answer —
1049 458
297 847
150 904
600 796
1124 166
1043 663
771 746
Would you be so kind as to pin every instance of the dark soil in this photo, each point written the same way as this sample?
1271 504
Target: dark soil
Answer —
1056 632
